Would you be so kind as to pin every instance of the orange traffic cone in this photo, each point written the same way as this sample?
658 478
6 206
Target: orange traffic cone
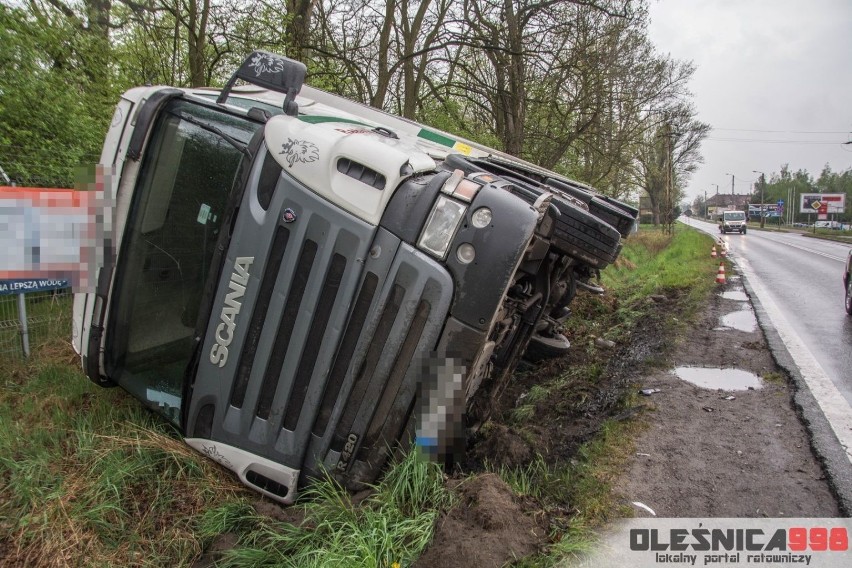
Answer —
723 251
720 276
713 252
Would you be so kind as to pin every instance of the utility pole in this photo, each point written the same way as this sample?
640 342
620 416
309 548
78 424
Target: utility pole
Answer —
717 200
732 188
762 181
669 180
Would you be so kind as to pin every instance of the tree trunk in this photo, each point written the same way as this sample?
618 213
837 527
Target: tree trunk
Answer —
297 33
197 42
384 74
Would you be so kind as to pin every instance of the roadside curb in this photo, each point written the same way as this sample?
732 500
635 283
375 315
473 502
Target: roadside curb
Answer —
824 443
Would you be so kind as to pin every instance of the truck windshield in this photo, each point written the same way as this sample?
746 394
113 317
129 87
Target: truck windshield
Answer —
177 209
734 216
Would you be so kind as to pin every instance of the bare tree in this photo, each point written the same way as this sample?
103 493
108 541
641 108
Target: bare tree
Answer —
384 49
670 155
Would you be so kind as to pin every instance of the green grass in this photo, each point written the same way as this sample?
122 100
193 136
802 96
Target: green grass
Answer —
88 477
87 474
653 263
392 526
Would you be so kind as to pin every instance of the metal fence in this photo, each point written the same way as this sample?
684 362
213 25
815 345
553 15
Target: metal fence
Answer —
28 320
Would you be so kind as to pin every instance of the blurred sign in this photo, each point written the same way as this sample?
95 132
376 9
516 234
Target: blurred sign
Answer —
822 203
52 238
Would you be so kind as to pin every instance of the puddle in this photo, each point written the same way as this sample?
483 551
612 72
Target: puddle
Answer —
724 379
742 320
737 295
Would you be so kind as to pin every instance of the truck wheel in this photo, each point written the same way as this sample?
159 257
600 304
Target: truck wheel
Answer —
543 347
607 211
580 234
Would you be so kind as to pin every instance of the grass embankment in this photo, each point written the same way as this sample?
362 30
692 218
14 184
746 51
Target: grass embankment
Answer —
657 286
88 477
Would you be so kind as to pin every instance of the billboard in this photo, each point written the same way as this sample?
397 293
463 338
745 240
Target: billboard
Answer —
822 203
51 237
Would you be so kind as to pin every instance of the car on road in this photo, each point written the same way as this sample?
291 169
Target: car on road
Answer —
733 222
827 225
847 283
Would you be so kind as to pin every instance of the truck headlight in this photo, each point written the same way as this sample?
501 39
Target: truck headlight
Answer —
441 226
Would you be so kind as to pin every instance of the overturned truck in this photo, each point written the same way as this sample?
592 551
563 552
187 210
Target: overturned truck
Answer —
302 284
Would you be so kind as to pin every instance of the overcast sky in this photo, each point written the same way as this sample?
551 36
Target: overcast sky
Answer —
773 79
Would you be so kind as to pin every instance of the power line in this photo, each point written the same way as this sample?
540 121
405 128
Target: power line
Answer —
785 131
764 141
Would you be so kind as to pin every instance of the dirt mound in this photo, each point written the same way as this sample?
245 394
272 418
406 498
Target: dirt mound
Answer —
489 527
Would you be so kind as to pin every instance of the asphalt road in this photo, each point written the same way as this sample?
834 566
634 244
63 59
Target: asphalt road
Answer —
802 276
795 286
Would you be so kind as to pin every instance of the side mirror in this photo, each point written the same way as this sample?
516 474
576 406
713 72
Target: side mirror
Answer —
270 71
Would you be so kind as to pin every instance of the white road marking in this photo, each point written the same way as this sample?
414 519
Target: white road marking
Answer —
783 240
810 250
833 404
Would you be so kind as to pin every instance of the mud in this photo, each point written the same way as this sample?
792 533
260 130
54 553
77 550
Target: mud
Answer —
489 527
703 455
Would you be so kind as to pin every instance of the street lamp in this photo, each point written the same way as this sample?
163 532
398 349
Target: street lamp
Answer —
707 209
762 186
732 183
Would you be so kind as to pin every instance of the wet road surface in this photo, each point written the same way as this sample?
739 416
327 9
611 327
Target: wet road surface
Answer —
795 285
803 278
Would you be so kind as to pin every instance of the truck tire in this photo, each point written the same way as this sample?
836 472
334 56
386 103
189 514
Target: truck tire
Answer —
577 232
849 296
542 347
606 210
618 214
580 234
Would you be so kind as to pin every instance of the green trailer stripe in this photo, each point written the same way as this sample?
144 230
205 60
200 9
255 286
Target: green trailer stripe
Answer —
320 119
435 137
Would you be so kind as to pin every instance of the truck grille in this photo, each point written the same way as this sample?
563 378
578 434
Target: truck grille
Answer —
339 315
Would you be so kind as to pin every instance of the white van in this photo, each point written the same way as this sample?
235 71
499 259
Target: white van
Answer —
733 221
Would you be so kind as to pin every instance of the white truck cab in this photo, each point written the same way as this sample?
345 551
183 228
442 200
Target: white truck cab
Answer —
302 284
